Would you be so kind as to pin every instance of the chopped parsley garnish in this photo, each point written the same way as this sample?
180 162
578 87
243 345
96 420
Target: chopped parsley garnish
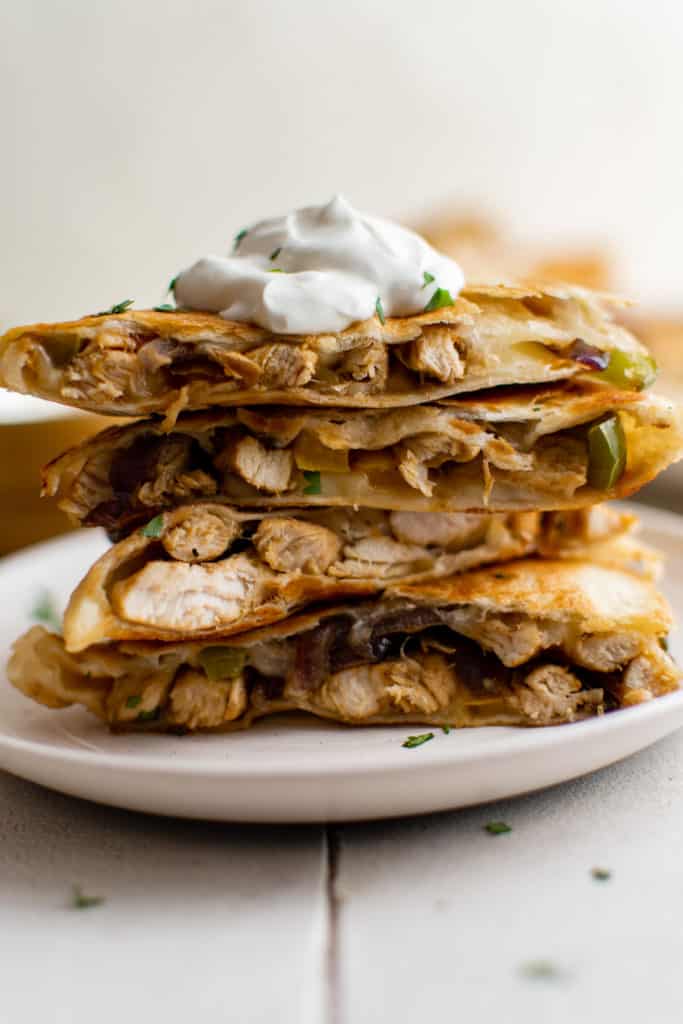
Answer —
276 252
441 297
118 307
277 270
497 828
165 307
540 969
313 482
154 527
79 901
427 278
174 281
601 874
149 716
417 741
445 729
132 702
379 310
238 238
45 611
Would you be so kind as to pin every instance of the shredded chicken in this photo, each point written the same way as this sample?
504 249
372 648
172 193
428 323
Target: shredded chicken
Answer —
291 545
436 354
407 685
162 686
551 693
513 638
368 363
130 698
284 365
199 703
560 466
425 686
381 557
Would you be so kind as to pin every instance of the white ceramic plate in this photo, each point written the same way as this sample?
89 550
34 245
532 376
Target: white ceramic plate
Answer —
292 769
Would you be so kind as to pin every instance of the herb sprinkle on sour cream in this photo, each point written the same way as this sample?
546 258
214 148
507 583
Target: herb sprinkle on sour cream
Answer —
320 269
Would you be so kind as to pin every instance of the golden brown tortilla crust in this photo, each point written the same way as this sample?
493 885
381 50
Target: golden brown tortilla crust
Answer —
653 426
590 600
91 616
20 350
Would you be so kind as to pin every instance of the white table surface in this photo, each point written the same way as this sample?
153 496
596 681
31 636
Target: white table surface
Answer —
428 919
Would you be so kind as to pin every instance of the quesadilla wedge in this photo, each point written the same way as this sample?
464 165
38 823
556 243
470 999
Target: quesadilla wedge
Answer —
566 446
139 362
536 642
209 570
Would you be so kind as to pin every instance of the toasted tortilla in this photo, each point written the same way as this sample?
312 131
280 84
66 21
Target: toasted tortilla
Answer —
535 642
140 362
510 450
208 570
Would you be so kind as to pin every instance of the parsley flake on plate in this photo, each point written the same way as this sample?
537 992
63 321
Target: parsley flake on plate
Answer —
417 741
165 307
379 310
79 901
133 701
154 527
173 283
45 611
427 278
497 828
601 874
540 970
275 253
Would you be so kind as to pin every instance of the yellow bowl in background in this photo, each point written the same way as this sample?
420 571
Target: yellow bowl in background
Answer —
31 433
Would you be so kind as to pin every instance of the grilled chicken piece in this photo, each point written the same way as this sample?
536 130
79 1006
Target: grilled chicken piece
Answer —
512 637
369 364
551 693
422 687
605 653
441 529
200 537
199 703
265 468
285 365
178 596
291 545
482 648
211 570
436 353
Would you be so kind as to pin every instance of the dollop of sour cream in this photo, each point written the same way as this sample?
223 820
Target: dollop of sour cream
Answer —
320 269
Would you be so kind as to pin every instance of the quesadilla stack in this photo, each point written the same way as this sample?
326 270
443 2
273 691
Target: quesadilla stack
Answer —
401 521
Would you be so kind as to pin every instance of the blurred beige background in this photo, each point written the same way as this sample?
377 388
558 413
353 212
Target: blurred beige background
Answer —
138 134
